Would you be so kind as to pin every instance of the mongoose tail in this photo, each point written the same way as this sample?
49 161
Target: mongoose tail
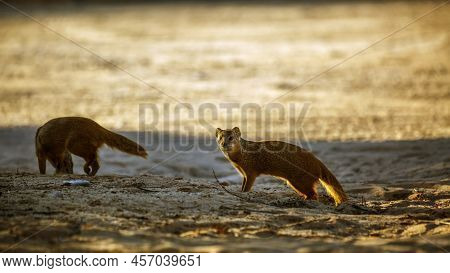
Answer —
123 144
332 186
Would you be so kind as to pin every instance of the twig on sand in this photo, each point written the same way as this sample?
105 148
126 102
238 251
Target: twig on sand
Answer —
147 190
364 208
230 192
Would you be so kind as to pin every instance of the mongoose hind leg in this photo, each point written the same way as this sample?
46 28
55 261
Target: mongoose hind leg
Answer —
95 166
91 166
88 151
305 187
87 168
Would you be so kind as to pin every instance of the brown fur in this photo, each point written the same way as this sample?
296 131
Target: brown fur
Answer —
57 139
300 168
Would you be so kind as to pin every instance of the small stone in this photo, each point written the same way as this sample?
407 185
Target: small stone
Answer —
76 182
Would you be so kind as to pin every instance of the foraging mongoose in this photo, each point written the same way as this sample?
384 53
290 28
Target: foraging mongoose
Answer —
300 168
59 137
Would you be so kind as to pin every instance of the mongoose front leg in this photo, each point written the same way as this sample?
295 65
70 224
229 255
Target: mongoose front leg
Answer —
244 181
248 183
42 164
244 175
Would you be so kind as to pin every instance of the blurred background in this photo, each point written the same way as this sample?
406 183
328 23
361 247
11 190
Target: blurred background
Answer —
215 52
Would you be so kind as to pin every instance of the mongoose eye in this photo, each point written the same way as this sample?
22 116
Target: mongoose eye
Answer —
230 138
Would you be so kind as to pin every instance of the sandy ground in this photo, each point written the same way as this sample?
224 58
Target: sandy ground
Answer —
154 213
381 122
399 192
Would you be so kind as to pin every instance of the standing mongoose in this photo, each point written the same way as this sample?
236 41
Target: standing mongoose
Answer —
59 137
300 168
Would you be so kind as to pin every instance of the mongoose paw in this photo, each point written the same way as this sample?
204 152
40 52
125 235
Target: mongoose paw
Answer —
87 170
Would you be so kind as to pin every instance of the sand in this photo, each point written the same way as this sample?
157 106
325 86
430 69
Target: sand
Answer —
380 122
160 214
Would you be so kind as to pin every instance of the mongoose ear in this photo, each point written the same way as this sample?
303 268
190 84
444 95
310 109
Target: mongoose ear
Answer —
218 131
237 131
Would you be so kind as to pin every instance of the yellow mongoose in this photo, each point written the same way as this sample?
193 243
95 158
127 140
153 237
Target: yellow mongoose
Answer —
58 138
300 168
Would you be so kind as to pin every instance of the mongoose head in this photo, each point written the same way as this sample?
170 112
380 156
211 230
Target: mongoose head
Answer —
229 140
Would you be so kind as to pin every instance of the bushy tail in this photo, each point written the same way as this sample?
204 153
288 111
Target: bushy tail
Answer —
332 186
123 144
